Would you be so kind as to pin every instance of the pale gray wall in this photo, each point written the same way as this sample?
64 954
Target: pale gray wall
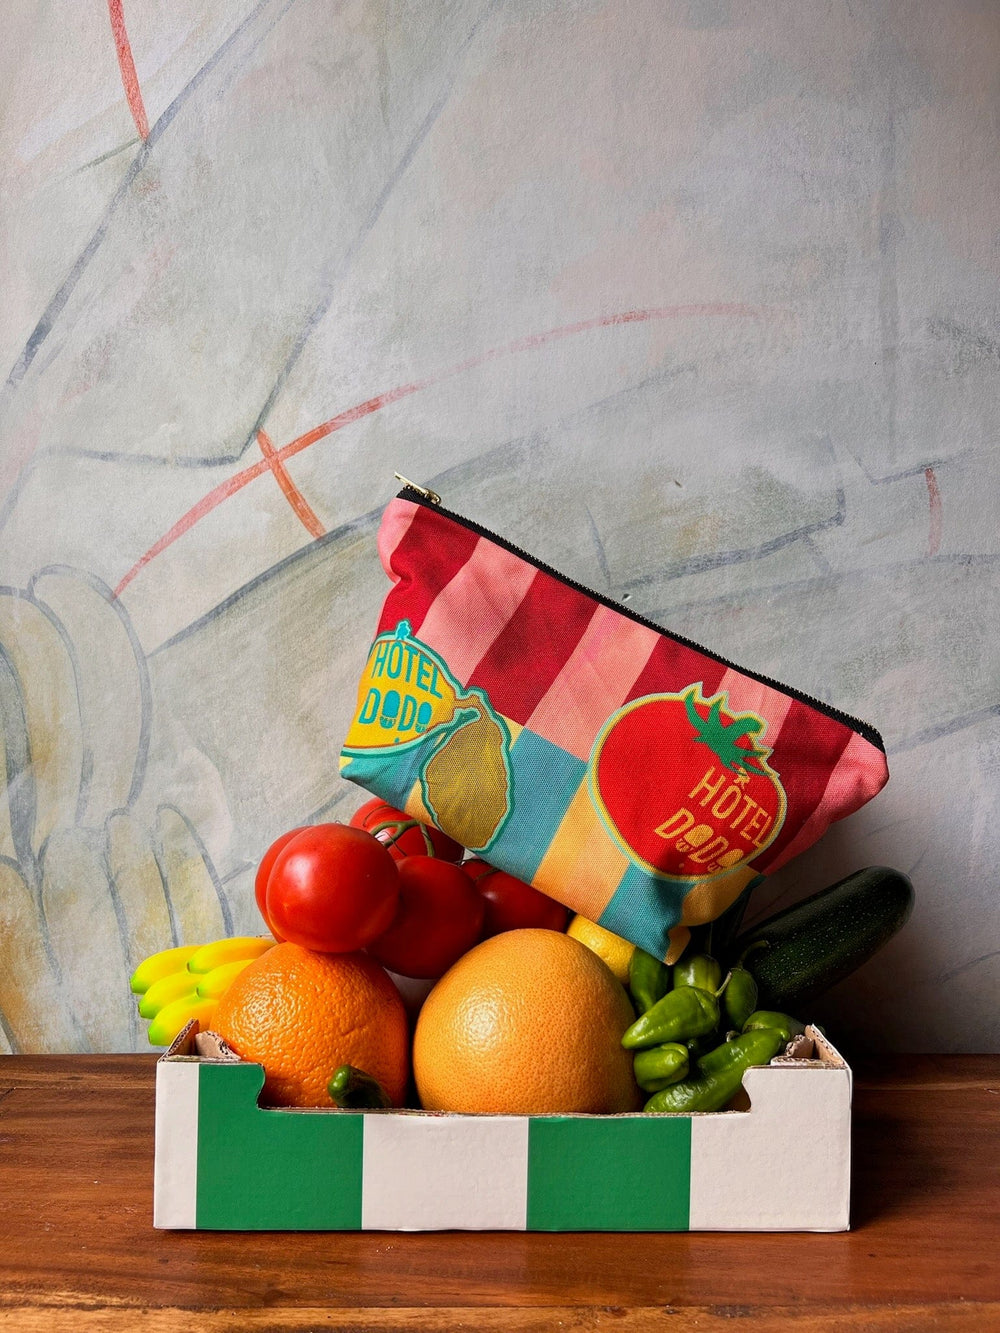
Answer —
791 457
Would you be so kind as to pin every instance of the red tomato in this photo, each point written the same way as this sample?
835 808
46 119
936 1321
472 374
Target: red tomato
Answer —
332 889
511 904
264 873
403 835
440 917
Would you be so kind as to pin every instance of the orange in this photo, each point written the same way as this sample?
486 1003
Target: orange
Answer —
527 1023
302 1014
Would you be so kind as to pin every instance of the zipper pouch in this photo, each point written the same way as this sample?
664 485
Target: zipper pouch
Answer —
636 777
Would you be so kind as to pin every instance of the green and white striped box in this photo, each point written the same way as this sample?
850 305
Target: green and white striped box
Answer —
225 1163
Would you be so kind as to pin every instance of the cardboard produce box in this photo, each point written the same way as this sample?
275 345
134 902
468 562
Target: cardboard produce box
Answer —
225 1163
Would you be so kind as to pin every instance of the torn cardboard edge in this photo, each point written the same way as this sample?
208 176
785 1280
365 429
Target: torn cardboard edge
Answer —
809 1050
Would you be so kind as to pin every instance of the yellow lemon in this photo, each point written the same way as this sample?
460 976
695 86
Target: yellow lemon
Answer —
612 949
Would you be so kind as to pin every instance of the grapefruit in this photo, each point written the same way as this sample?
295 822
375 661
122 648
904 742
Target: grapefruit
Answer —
529 1022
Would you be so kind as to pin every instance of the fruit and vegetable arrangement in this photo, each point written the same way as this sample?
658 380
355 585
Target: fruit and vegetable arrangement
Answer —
398 971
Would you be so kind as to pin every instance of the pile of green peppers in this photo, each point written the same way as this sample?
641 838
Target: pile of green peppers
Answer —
683 1011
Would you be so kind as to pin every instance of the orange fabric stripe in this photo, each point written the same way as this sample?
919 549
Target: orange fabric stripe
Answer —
582 867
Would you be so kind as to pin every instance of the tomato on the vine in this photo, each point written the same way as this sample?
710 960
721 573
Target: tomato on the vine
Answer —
264 874
332 888
403 835
511 904
440 918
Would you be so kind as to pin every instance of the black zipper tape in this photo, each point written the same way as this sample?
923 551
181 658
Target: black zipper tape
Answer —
855 724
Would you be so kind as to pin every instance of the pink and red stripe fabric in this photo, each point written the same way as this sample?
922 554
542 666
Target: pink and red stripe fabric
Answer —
559 663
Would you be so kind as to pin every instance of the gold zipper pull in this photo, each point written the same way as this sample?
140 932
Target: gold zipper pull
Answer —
432 496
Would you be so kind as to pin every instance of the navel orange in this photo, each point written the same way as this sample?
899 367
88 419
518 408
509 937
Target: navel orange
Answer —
302 1014
528 1022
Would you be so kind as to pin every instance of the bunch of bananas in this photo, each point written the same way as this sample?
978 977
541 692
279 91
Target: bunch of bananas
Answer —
177 985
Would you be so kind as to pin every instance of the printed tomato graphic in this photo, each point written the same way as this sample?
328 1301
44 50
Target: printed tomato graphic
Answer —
703 773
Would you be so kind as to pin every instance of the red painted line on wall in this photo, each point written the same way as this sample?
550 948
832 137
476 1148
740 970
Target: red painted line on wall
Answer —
936 524
198 511
238 480
509 349
130 80
293 495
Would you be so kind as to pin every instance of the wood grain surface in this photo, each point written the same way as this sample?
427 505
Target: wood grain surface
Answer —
77 1248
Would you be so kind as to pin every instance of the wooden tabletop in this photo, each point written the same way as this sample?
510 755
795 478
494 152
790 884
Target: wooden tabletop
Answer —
77 1249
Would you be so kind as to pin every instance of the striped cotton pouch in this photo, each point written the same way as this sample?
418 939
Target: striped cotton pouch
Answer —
634 776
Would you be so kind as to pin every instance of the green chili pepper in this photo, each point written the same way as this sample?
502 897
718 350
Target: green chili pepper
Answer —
712 1089
659 1066
648 979
698 970
722 1055
767 1018
740 996
353 1090
685 1012
735 1051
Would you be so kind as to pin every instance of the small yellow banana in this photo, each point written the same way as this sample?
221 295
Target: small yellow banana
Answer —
174 986
214 984
236 949
173 1017
160 965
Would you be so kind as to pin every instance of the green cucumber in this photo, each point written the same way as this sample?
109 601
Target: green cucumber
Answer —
724 929
806 949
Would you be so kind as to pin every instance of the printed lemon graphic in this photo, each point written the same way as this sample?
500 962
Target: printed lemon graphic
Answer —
475 808
415 723
615 952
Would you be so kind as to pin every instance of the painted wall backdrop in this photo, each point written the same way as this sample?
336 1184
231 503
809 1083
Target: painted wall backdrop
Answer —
694 299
